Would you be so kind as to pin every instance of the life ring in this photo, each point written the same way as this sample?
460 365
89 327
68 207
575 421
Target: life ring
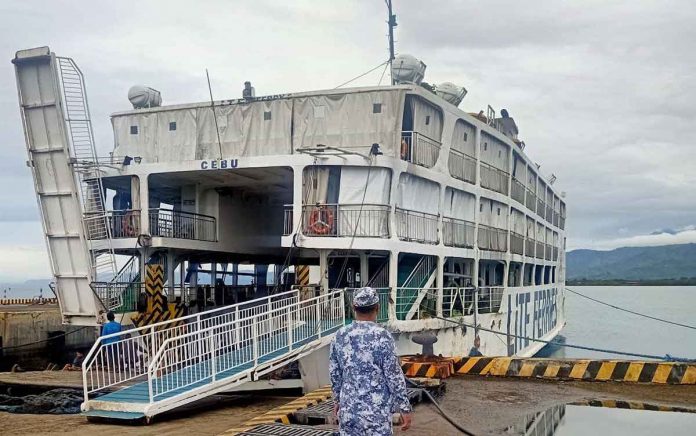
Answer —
321 221
128 224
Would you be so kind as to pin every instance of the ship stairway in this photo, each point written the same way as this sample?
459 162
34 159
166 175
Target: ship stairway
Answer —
85 165
416 277
146 371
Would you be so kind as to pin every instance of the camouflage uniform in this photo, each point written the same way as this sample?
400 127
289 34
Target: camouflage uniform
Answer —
366 377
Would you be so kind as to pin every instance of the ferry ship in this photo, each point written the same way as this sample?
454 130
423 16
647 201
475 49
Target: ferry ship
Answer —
201 208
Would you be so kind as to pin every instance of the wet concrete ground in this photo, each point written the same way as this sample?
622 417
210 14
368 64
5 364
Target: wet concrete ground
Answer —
484 406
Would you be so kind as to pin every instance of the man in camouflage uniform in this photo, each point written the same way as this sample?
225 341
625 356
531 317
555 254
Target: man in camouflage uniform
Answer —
366 378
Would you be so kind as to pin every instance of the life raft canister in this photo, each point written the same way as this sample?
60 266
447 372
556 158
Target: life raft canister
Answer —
321 221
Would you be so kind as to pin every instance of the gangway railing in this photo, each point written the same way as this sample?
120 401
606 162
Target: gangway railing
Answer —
122 357
225 350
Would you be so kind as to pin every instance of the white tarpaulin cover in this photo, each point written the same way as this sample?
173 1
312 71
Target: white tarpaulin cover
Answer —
494 214
352 121
416 193
427 119
531 180
540 233
518 222
464 138
494 152
259 128
519 169
354 179
459 204
530 228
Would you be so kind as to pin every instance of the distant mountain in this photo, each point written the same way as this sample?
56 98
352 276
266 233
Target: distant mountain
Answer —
27 289
633 263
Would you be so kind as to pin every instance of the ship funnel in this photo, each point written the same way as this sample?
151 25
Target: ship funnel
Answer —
408 69
143 96
450 92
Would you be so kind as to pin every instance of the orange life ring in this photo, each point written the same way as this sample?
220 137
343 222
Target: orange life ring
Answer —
129 224
321 221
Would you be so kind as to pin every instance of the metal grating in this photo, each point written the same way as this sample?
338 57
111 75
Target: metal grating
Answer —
286 430
322 413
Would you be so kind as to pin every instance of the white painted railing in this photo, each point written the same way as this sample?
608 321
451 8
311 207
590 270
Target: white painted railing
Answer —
490 299
227 349
458 233
126 359
462 166
419 149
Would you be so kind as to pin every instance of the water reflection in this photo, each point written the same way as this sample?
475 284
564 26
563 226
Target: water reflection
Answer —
576 420
540 423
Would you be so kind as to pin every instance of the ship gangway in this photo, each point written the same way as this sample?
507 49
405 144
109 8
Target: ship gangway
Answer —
142 372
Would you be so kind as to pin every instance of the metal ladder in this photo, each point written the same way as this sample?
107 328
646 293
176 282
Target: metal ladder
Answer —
86 167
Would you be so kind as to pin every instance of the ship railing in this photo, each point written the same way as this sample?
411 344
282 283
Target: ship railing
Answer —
119 297
458 302
492 238
458 233
541 207
462 166
168 223
408 298
517 190
529 246
549 252
122 357
241 344
345 220
530 201
494 178
416 226
124 223
490 299
383 294
516 243
540 250
419 149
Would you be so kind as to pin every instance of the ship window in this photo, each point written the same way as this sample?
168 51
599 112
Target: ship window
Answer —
172 126
485 146
376 108
133 130
498 211
427 120
499 153
266 115
481 208
466 136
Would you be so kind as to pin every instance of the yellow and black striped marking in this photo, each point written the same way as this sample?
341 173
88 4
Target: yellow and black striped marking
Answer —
620 404
302 275
282 413
440 368
157 308
573 369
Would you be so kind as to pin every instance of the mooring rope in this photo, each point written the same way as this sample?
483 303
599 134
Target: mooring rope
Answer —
666 357
631 311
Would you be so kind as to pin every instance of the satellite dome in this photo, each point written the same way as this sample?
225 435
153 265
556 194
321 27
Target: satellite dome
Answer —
450 92
144 96
407 69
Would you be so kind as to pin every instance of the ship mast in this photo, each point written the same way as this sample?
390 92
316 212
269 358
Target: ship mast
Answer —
392 24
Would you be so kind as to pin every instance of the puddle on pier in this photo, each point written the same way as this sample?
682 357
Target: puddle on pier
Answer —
577 420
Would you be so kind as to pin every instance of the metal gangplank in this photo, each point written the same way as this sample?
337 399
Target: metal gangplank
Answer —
145 371
67 181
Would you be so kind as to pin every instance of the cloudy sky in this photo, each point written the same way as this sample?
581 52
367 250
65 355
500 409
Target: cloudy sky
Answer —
604 92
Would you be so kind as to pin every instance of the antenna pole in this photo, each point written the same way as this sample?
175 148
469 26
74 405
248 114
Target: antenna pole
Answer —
392 24
212 107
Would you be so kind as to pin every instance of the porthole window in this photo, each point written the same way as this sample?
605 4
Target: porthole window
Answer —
377 108
266 115
172 126
133 130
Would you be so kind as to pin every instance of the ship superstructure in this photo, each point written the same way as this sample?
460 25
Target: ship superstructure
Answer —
391 186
